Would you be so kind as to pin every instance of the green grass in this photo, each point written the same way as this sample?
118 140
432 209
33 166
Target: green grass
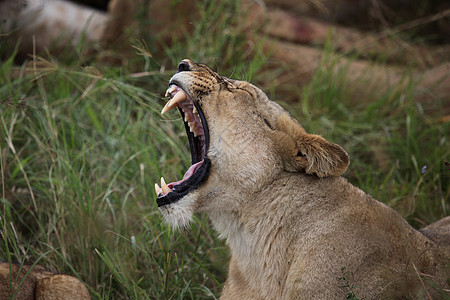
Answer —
80 154
81 149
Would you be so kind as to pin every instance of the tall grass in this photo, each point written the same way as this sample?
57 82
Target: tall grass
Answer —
81 148
80 153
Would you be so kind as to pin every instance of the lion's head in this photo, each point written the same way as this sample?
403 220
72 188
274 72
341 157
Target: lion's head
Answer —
241 143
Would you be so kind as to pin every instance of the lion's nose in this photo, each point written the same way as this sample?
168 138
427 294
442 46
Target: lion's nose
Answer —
184 66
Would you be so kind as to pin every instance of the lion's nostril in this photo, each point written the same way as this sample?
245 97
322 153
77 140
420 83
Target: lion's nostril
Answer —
184 66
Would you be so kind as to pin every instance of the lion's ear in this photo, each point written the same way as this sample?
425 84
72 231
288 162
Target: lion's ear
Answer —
309 152
318 156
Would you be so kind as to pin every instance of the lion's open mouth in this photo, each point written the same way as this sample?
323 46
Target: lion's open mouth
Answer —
198 136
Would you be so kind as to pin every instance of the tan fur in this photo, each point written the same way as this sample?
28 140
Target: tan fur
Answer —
51 24
39 284
58 25
296 228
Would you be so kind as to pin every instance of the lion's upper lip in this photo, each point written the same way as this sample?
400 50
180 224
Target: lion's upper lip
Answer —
198 136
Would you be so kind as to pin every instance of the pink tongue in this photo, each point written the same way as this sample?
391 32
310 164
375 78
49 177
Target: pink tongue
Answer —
188 174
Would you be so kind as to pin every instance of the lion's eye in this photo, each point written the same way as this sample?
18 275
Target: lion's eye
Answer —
268 124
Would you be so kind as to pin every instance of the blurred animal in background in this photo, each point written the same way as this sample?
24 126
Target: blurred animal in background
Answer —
38 25
295 35
51 26
26 282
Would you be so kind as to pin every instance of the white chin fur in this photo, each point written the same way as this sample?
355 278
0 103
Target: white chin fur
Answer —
179 214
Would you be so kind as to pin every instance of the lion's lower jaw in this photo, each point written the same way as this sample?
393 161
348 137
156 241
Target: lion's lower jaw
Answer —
180 213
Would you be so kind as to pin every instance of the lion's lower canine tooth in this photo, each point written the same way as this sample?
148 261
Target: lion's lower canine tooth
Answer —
157 189
164 187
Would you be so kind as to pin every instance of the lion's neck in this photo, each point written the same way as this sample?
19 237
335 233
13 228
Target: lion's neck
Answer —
257 229
233 231
258 244
259 256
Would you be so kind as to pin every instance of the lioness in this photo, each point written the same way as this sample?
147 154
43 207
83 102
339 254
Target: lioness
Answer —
29 283
296 228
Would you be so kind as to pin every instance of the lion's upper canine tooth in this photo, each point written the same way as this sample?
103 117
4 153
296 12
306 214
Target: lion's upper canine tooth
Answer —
194 110
180 96
164 187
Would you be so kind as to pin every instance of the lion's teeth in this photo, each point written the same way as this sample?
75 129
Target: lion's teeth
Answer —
194 110
164 187
191 126
166 107
170 90
180 96
157 189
